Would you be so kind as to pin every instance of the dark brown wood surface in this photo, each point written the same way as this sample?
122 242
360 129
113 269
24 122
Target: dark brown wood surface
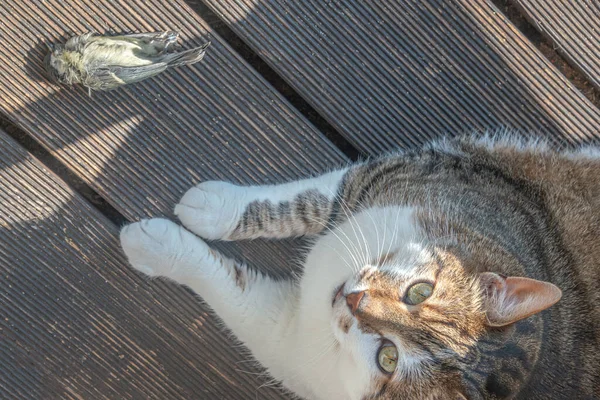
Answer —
143 146
399 73
140 148
574 29
77 323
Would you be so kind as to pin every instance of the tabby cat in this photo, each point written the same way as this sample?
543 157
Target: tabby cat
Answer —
433 275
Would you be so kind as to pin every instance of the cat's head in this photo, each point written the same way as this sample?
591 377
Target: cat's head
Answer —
407 320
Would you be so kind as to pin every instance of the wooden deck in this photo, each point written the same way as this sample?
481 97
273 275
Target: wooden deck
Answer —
355 78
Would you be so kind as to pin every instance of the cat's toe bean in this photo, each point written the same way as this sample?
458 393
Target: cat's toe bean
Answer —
212 209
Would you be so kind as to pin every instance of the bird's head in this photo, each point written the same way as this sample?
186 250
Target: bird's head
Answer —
56 64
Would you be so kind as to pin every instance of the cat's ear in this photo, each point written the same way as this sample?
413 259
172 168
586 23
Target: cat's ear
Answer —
510 299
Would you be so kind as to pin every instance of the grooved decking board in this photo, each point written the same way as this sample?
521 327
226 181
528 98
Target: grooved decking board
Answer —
140 148
77 323
397 73
143 145
573 27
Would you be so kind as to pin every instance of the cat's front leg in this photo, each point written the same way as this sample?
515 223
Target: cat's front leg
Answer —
255 307
220 210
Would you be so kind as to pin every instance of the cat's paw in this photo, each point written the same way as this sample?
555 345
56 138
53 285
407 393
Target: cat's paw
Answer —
212 209
159 247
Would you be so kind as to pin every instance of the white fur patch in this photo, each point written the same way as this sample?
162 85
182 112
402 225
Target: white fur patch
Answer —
350 363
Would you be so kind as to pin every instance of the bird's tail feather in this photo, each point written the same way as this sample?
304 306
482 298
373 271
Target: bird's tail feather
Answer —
186 57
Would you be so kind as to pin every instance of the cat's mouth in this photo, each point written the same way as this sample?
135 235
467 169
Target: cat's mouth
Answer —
339 291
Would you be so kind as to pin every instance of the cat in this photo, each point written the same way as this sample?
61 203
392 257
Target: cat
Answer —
466 270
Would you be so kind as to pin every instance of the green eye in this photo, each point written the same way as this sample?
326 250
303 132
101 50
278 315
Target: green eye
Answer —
387 358
418 293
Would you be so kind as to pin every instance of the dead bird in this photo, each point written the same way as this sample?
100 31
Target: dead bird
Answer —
108 62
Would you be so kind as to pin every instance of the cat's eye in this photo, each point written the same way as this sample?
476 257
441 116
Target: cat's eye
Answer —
387 358
418 293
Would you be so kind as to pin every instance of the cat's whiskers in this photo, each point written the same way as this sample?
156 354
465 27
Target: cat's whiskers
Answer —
366 251
368 212
329 346
350 218
347 212
355 256
395 231
346 263
380 252
369 259
319 340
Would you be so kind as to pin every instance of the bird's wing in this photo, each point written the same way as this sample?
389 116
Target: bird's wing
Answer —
114 76
151 36
185 57
151 44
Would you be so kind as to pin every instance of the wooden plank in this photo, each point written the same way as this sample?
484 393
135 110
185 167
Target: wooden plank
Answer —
574 29
389 74
140 148
77 323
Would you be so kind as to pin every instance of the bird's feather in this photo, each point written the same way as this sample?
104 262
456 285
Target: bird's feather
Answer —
150 44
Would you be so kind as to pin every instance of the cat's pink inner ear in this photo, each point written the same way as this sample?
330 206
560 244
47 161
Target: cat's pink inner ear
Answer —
510 299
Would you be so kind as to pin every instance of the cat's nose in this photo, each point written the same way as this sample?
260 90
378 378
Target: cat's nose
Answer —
353 300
